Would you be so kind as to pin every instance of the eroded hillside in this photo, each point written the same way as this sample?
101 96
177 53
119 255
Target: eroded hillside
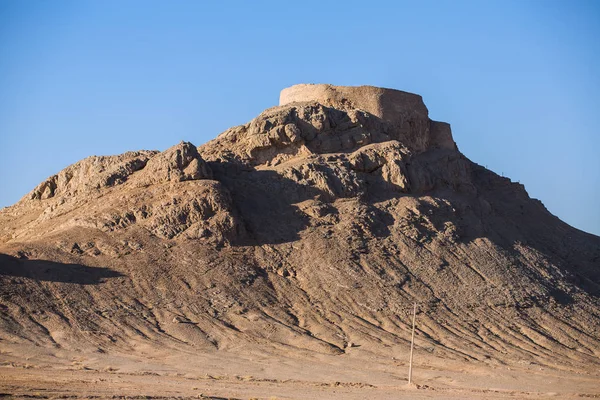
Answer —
314 226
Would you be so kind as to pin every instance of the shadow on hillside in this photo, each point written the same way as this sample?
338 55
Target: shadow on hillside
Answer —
54 272
268 204
499 211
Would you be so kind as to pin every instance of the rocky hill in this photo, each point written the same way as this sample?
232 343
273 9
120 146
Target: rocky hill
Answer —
314 227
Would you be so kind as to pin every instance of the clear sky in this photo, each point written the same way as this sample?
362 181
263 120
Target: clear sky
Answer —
518 80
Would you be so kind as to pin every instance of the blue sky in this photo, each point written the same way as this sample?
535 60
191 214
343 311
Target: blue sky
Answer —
518 80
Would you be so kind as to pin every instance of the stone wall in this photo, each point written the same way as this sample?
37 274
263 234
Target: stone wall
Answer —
404 110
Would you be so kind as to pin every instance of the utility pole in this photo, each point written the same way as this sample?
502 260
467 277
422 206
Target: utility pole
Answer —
412 345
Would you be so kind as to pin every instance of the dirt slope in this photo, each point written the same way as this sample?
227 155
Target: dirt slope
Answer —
313 228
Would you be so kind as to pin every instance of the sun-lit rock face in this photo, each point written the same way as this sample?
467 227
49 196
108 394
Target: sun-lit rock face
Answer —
92 174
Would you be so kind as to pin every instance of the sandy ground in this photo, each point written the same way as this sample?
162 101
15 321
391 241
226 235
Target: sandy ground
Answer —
33 372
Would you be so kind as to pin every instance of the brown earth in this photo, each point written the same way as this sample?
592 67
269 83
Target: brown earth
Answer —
283 258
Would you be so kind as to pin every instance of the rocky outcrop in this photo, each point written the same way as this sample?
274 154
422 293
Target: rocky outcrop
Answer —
198 208
177 164
386 159
90 174
282 133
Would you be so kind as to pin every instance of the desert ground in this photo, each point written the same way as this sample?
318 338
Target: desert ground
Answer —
32 372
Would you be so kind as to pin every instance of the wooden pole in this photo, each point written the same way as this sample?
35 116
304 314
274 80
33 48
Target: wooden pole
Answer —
412 345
